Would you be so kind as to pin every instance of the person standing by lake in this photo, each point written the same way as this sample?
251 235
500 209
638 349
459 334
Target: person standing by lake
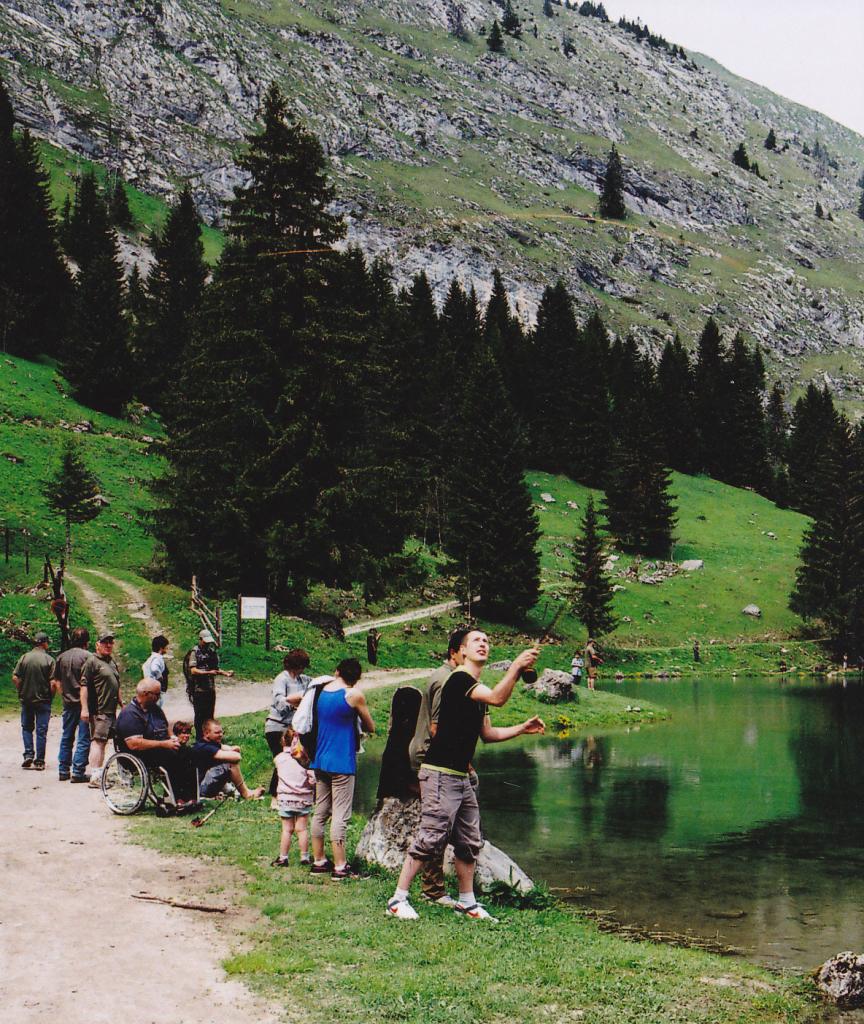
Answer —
593 659
448 800
288 689
576 666
339 705
203 669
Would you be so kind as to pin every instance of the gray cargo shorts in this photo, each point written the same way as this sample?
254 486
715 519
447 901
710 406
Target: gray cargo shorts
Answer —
449 814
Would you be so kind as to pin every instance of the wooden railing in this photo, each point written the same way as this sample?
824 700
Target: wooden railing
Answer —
210 619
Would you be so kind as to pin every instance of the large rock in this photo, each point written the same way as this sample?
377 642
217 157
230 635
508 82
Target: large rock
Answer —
842 979
553 686
389 833
692 564
752 609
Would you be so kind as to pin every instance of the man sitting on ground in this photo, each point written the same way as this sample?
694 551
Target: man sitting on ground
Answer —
142 730
219 764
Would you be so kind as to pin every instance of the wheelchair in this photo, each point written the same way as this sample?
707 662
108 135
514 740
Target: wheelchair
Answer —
127 784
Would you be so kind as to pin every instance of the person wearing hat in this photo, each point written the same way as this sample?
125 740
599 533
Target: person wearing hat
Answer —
33 679
204 667
100 698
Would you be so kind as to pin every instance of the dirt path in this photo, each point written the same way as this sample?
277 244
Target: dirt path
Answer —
137 607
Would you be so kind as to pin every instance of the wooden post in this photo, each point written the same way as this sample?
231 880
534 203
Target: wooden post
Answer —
218 625
267 626
239 620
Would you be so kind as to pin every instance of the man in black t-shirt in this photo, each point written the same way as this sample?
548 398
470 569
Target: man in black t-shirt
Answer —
448 800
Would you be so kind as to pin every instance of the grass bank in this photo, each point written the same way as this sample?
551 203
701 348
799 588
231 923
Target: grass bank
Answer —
326 951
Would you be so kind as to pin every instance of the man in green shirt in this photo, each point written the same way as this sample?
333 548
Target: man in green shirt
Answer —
32 678
100 698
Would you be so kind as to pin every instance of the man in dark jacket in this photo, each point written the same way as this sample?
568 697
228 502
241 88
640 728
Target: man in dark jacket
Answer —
33 679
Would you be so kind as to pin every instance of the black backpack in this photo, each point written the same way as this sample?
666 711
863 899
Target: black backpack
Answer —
187 672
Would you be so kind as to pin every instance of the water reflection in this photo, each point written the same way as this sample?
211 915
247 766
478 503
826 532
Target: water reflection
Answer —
741 819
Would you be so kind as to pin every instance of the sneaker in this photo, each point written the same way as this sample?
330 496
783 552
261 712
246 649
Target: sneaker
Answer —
346 872
27 762
305 862
401 909
95 782
38 766
80 778
440 901
63 776
322 869
475 912
279 862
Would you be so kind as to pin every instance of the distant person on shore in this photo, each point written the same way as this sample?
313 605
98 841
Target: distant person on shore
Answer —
203 663
33 678
449 808
154 667
295 793
576 666
432 875
697 654
593 659
288 689
340 704
67 674
373 639
218 763
100 698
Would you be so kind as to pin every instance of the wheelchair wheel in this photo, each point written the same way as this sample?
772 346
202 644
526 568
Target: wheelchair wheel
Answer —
125 783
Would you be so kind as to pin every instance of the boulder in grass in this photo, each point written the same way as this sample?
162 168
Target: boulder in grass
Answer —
553 686
391 829
547 497
753 610
692 564
841 979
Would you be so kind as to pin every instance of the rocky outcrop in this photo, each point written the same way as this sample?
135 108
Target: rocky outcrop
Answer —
390 830
553 686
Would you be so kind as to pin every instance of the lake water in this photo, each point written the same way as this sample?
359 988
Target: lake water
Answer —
742 819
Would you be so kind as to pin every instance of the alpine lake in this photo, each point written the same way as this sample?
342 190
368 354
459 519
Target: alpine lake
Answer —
740 820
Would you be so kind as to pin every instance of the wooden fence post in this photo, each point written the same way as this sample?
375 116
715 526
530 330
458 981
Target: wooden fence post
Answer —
239 626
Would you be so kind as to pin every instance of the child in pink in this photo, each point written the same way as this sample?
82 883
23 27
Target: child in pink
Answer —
295 794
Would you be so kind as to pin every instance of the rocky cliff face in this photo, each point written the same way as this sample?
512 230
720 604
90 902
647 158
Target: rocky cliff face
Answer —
456 160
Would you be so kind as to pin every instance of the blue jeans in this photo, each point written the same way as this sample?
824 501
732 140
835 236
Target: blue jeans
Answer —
38 716
71 722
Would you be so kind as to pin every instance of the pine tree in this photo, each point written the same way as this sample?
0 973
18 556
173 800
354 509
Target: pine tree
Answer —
820 213
612 194
99 335
746 437
676 399
770 139
548 10
777 439
861 206
638 506
491 529
506 340
712 397
510 22
174 289
589 394
591 595
72 491
815 429
555 368
34 285
495 39
121 213
740 157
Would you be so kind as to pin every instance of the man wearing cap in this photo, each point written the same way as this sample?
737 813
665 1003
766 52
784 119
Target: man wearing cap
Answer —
100 698
204 667
67 674
33 679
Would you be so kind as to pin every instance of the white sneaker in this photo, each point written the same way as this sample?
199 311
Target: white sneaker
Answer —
475 912
442 901
401 909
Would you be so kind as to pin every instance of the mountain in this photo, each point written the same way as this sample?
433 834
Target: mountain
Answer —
457 160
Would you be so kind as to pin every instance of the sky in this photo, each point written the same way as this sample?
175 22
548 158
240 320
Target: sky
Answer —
810 51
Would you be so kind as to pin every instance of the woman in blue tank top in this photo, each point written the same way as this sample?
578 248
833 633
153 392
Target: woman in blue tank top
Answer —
339 707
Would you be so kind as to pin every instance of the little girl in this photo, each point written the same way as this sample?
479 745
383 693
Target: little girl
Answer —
295 792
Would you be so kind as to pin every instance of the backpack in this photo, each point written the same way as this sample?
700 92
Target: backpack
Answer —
305 722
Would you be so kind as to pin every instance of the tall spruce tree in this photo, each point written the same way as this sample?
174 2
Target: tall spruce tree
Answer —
638 505
510 22
816 429
174 289
861 206
770 139
777 436
491 533
740 158
589 393
591 595
495 39
676 399
506 339
35 288
746 427
96 359
712 400
121 212
72 491
612 193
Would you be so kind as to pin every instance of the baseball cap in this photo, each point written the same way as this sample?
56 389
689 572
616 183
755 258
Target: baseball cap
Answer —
40 638
206 636
105 637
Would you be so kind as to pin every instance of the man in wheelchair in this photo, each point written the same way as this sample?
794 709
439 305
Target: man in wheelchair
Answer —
142 730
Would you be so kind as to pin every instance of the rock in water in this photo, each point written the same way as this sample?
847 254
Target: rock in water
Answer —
842 979
553 686
389 832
